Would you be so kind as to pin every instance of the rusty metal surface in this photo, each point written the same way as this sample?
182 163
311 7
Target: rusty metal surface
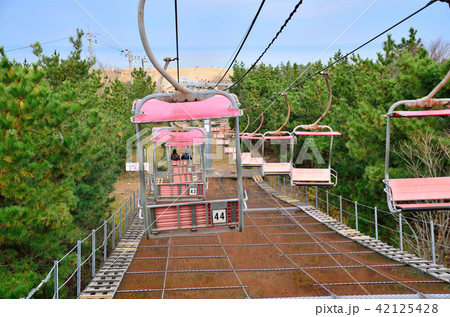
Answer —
279 254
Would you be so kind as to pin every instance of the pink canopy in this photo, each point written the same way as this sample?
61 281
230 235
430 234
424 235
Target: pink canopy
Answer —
218 123
249 137
185 138
277 137
196 142
422 113
166 135
155 110
329 133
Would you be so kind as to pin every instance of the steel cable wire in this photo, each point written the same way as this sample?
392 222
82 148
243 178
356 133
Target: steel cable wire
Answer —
270 44
242 42
340 59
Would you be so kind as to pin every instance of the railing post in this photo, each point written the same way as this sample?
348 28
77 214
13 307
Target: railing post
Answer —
120 223
129 211
278 182
78 268
298 193
356 215
284 185
105 240
401 230
134 204
328 206
317 203
93 252
56 280
433 251
136 200
126 216
306 194
113 232
376 222
340 208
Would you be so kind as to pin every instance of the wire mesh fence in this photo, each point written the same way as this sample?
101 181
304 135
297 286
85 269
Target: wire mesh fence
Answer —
72 273
402 231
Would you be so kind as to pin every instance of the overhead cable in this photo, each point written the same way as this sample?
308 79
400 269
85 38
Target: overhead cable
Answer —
345 56
362 45
176 39
242 42
270 44
93 18
28 46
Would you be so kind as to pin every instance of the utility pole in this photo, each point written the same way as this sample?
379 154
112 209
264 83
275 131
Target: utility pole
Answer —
90 43
144 60
130 66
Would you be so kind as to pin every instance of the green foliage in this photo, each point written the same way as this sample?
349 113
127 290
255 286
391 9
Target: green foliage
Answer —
363 90
61 151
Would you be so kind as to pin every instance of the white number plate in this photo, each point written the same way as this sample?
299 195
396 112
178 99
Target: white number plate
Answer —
219 216
192 191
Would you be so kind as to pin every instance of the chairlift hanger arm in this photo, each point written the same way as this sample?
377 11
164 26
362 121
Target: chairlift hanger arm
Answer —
425 102
262 120
181 93
315 125
167 60
248 123
149 52
279 131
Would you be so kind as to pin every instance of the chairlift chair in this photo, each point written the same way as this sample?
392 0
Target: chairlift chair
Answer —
248 159
417 194
185 104
230 211
316 176
278 168
189 185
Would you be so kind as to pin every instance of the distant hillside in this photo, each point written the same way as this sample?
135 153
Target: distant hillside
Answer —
200 74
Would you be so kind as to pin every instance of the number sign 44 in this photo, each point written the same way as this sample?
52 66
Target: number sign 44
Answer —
219 216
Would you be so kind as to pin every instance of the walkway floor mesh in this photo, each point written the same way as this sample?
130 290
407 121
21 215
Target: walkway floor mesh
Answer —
279 254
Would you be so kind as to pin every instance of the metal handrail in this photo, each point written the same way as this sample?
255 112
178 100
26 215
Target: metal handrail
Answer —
133 211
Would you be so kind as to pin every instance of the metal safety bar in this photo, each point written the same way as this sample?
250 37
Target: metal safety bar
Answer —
196 215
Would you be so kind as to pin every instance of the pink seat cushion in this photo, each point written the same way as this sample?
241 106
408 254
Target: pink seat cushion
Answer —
276 168
248 160
311 175
420 188
422 113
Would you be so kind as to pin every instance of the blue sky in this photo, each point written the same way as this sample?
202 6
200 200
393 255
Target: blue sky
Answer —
210 30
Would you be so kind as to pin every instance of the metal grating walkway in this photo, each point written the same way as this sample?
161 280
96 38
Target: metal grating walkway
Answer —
395 254
282 252
107 280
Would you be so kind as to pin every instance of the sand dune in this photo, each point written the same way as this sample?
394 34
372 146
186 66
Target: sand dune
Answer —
200 74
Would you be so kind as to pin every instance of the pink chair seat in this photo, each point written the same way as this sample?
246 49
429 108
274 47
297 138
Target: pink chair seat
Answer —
276 168
417 189
311 177
248 160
